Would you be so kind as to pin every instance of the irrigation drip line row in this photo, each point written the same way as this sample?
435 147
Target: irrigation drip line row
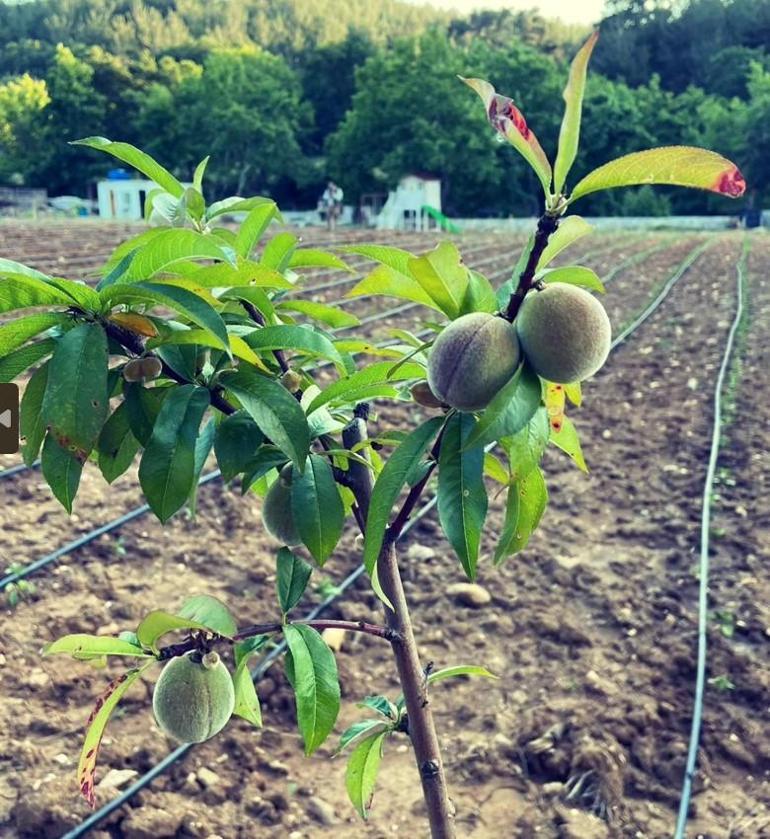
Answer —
21 467
703 582
115 524
261 668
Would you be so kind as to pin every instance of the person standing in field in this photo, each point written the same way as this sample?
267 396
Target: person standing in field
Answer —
331 204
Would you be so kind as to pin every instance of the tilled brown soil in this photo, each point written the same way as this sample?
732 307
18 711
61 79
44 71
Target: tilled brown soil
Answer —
591 629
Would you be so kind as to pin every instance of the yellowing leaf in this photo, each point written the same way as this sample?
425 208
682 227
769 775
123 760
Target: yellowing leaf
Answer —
675 165
508 120
135 323
566 438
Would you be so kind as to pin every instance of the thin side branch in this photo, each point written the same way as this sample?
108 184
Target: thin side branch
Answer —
256 316
546 226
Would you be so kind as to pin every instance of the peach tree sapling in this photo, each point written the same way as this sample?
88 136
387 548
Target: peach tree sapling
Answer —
189 342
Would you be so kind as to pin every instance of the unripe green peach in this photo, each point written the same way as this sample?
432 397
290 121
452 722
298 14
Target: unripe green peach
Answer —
277 514
472 359
194 697
564 332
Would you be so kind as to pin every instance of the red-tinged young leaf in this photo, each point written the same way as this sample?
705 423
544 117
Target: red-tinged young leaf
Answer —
527 500
95 726
569 135
361 772
674 165
508 120
566 438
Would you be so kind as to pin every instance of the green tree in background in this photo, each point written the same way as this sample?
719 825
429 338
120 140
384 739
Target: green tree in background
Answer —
22 102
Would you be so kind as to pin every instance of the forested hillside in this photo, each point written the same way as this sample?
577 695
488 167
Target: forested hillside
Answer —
283 93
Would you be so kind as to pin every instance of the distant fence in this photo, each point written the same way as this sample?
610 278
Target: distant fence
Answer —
616 222
22 202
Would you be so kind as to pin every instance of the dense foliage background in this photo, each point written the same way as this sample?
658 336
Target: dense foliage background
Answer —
283 93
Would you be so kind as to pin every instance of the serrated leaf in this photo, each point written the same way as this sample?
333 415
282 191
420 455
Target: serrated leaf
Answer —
527 500
388 487
19 331
462 496
510 410
459 670
330 315
158 623
76 400
318 511
32 425
237 440
351 388
211 612
573 275
275 411
117 446
443 277
674 165
62 470
167 467
23 358
316 684
569 134
95 726
83 647
138 159
566 438
361 773
568 232
508 121
292 576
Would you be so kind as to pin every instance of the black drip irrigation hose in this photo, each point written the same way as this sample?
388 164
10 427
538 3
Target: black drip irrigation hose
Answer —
115 524
703 582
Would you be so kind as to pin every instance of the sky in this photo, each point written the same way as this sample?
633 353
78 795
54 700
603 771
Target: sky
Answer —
570 11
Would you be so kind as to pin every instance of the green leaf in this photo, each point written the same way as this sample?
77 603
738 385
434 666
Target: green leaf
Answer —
238 438
245 273
19 331
566 438
23 358
78 292
569 231
138 159
236 204
480 296
526 448
306 339
462 497
443 277
314 258
158 623
8 266
569 134
181 300
76 400
361 772
495 470
350 389
508 121
95 726
394 258
316 684
253 226
83 647
143 405
32 425
388 282
459 670
121 257
380 704
168 247
61 469
527 500
275 411
200 171
573 275
674 165
18 291
117 446
317 507
167 467
246 699
210 612
277 252
193 199
292 575
267 458
358 729
331 315
510 410
388 487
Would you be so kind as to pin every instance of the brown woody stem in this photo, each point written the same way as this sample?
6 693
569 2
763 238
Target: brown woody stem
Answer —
546 226
422 731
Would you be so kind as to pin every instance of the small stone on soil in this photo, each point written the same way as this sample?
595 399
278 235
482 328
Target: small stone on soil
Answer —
469 594
207 777
117 778
419 552
321 811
